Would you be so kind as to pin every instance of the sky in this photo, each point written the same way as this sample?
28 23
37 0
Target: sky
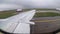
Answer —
14 4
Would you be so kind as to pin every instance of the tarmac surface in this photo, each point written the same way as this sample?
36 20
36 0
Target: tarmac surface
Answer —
45 25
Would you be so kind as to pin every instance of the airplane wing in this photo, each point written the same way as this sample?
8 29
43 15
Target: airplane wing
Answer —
11 23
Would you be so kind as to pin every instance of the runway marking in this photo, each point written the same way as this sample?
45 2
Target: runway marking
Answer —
46 20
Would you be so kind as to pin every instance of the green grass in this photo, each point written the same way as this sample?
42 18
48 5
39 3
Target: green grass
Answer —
27 9
9 13
46 14
6 14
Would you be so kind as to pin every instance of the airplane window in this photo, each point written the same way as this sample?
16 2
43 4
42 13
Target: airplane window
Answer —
3 32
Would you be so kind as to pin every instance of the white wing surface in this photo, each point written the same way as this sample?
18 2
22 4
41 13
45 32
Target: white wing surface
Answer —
18 23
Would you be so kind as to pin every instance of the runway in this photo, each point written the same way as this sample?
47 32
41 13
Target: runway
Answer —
45 24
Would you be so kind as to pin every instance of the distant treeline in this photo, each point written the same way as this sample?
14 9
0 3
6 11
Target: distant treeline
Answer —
45 9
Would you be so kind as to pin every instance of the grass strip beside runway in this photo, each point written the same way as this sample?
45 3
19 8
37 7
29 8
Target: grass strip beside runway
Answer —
6 14
46 14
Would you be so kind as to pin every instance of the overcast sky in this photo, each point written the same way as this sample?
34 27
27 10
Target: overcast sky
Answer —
13 4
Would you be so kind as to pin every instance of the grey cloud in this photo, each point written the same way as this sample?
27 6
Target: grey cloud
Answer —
9 7
34 3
